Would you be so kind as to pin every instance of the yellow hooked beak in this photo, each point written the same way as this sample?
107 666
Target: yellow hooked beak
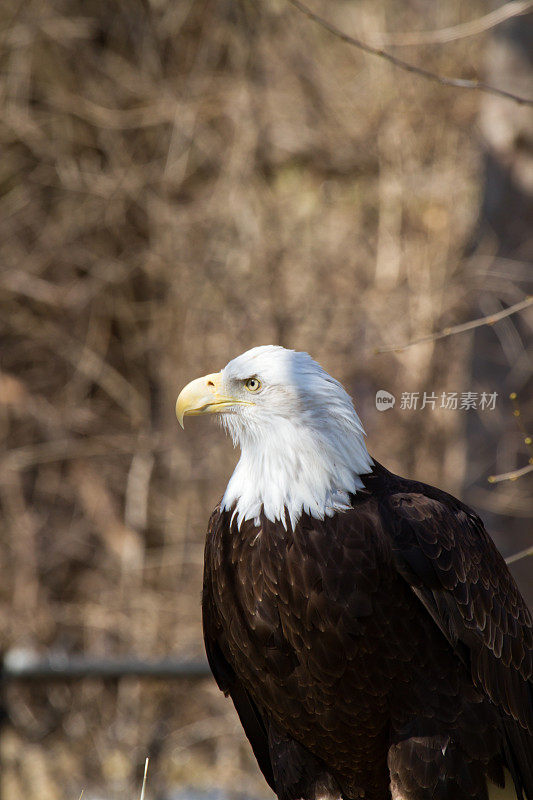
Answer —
203 396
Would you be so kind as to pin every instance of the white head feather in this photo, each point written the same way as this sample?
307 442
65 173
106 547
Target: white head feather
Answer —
302 443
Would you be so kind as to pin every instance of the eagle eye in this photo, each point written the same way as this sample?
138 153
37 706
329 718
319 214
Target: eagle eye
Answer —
253 384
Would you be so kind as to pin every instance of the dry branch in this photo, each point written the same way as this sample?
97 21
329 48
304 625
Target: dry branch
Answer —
515 8
511 476
516 473
443 80
490 319
519 556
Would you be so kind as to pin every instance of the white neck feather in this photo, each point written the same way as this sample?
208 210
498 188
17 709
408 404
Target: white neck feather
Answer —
292 466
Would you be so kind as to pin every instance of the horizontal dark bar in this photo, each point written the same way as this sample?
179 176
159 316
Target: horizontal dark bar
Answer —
79 667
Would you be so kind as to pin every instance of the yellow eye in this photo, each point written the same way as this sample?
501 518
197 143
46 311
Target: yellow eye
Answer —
253 384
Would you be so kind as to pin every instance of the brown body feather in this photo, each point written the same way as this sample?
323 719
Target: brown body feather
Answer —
383 652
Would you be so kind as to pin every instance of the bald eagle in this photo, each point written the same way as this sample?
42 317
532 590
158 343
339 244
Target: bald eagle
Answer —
369 633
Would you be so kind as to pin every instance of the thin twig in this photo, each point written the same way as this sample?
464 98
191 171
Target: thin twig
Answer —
88 362
516 473
517 414
509 10
458 83
511 476
520 555
490 319
144 778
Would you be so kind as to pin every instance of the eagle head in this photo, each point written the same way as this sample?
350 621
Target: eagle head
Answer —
301 441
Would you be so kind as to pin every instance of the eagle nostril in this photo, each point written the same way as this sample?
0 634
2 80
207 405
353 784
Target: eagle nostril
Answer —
211 384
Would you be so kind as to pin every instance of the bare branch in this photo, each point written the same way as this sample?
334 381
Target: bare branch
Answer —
457 83
520 555
490 319
143 789
516 473
511 476
509 10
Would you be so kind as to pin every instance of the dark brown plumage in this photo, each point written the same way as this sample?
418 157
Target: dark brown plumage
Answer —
384 652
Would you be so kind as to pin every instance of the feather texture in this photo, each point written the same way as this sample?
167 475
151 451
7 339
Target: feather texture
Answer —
384 651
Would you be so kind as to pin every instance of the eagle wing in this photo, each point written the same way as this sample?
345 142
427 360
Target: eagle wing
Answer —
225 676
442 549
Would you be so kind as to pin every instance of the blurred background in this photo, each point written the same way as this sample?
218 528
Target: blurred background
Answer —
180 181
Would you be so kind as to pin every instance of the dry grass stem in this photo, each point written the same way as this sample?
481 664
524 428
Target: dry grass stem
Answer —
143 788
